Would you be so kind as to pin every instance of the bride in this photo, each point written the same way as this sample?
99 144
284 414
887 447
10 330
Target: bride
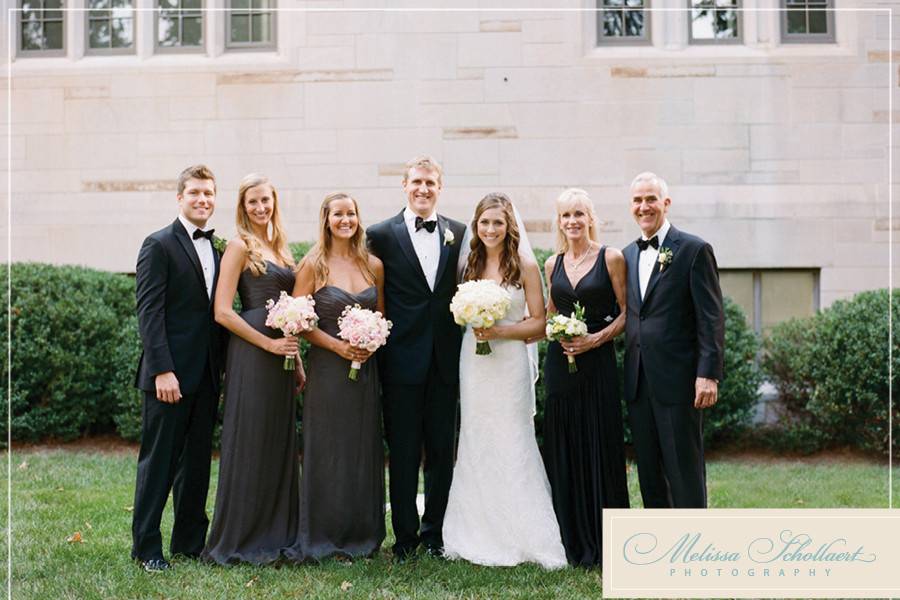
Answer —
499 512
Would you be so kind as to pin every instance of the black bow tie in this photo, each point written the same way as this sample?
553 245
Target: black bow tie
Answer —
644 244
199 233
428 225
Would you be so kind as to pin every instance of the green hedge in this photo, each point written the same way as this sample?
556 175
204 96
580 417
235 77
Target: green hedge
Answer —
831 372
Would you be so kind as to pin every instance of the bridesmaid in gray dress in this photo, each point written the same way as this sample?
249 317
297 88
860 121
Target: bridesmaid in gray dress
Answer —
256 516
342 490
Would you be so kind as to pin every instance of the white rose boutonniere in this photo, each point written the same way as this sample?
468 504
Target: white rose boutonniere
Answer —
665 258
449 238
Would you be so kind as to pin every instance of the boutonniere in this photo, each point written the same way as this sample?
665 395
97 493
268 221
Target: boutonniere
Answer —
449 238
665 258
219 244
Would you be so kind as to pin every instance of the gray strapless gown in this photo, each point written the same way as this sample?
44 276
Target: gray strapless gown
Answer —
257 500
342 491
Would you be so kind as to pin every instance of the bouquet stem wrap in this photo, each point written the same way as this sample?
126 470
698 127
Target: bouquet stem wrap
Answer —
354 370
290 362
573 368
482 348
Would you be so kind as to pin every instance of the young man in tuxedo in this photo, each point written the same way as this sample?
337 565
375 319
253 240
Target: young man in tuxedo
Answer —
420 363
179 372
674 340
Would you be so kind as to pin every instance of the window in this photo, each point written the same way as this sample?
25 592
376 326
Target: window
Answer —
771 296
179 25
41 27
807 21
110 27
623 22
715 21
251 24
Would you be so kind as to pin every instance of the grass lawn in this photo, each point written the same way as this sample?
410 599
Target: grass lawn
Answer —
59 492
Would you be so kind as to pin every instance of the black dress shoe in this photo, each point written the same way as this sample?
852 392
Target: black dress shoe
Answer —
434 551
155 565
401 557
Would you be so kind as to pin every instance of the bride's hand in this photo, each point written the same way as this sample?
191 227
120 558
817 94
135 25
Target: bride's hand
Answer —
581 344
351 353
488 333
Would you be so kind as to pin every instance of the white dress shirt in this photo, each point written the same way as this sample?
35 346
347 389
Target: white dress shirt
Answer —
427 245
204 253
648 257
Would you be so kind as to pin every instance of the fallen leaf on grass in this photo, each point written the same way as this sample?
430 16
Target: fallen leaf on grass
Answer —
129 509
75 538
252 581
87 525
345 586
60 489
24 465
799 501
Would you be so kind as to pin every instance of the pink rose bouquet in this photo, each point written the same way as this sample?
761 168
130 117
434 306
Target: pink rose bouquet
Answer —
362 328
292 316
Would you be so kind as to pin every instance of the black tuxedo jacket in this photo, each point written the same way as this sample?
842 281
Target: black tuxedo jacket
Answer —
678 331
175 316
422 323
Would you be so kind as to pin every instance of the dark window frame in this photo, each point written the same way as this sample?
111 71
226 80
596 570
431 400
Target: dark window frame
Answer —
607 40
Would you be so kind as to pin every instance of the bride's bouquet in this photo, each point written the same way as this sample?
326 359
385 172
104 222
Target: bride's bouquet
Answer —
480 304
292 316
563 328
362 328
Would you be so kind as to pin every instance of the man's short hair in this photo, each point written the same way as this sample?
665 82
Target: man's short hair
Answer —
652 178
195 172
423 162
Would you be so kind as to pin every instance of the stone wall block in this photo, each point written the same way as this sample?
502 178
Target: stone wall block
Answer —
490 49
280 100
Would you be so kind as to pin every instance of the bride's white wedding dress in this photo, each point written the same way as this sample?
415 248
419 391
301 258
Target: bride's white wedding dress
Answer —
500 512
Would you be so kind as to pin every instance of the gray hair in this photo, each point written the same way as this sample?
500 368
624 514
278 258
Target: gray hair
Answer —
649 177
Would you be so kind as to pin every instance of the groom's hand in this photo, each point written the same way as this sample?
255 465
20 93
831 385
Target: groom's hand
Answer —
167 388
706 392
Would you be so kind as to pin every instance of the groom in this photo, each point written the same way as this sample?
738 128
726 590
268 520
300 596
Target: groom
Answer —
420 363
179 372
674 339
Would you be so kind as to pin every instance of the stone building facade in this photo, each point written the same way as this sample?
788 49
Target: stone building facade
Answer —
775 144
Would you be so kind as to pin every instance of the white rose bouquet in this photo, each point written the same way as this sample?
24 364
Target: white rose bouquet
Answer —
292 316
562 328
480 304
363 328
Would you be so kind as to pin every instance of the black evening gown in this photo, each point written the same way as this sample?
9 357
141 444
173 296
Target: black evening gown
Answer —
257 499
342 490
583 437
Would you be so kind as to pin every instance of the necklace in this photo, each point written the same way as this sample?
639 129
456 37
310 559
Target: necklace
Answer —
574 263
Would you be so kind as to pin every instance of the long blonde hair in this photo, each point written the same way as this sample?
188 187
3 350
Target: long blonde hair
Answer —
569 197
510 261
277 238
318 254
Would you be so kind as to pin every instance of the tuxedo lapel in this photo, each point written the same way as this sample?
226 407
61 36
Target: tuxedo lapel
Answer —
188 246
443 225
217 260
673 239
632 259
402 235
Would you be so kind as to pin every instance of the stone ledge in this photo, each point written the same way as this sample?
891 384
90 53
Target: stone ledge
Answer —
162 185
305 76
474 133
662 72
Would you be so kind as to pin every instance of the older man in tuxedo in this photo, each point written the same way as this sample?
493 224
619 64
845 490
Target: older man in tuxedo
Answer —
674 340
420 364
179 372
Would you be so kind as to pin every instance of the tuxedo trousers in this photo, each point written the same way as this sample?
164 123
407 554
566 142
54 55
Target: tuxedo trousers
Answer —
668 445
417 416
175 454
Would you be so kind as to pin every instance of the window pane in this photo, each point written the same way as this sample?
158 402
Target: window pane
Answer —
29 7
613 3
702 24
817 21
122 33
98 4
612 23
240 28
53 33
262 29
99 34
168 4
32 37
242 5
122 13
168 31
726 24
786 294
190 4
738 285
192 32
796 21
634 22
261 4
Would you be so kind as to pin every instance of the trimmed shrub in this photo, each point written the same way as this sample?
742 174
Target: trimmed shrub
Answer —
74 350
831 371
